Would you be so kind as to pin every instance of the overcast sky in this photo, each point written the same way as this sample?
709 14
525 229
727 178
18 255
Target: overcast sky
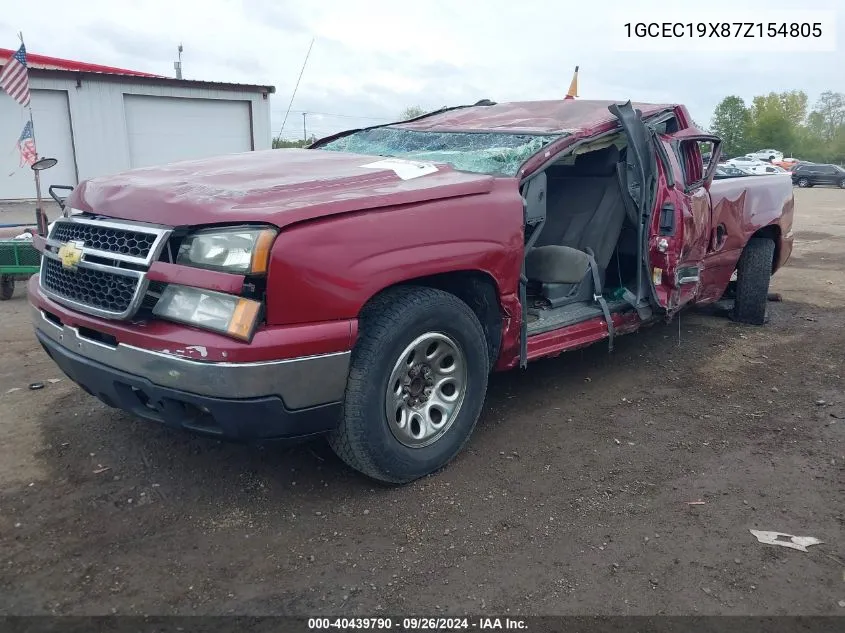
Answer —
371 59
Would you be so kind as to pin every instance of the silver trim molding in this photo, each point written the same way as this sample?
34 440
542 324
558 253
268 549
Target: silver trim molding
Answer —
300 382
161 234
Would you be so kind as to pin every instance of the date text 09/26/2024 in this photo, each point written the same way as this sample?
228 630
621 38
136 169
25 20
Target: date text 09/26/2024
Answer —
418 624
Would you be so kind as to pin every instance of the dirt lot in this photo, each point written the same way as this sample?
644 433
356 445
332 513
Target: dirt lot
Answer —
571 498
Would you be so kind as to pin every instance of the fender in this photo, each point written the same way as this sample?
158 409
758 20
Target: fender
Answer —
327 269
741 209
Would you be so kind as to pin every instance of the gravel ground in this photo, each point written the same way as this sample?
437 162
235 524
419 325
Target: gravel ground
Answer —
571 498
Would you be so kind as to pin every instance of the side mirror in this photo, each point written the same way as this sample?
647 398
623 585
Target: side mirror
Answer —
41 217
44 163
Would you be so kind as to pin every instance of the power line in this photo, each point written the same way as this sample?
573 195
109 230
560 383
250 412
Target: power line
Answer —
296 87
342 116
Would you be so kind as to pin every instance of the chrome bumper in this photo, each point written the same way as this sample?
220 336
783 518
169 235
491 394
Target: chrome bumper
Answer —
300 382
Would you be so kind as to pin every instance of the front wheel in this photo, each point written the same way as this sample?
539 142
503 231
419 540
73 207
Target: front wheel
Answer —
842 184
7 287
416 386
754 272
803 182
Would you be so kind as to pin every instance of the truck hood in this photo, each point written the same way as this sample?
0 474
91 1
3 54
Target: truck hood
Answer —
280 187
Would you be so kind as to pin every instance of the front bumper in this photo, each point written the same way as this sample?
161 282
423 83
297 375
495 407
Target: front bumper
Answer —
245 401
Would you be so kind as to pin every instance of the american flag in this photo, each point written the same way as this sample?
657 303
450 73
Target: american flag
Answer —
14 78
26 145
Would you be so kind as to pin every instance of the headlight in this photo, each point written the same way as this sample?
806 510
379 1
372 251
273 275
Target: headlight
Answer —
216 311
237 249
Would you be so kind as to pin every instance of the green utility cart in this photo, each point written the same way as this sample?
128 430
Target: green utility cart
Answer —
18 260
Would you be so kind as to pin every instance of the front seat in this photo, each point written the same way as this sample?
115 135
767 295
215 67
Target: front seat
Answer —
584 216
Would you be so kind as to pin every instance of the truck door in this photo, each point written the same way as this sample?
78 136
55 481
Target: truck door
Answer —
681 235
667 179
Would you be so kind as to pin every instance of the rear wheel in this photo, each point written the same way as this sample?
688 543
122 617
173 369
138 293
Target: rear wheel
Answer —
416 386
803 182
754 272
7 287
842 184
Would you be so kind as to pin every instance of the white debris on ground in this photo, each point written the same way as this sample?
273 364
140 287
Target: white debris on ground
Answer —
786 540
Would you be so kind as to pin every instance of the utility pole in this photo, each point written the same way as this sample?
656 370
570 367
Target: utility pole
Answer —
304 131
178 65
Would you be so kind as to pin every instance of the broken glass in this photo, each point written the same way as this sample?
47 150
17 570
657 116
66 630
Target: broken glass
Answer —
480 152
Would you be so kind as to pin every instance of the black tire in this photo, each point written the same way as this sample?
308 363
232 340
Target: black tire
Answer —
7 287
754 272
842 184
803 182
387 325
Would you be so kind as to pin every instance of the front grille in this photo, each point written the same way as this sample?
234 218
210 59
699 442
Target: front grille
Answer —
102 290
107 239
108 277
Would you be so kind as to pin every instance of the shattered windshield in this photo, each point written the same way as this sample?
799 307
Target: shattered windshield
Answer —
480 152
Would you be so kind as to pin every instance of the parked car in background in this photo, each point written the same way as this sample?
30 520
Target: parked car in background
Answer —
811 174
775 169
766 154
753 166
744 161
799 163
787 163
729 171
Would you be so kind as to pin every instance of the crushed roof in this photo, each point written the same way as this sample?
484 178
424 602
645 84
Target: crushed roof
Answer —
538 117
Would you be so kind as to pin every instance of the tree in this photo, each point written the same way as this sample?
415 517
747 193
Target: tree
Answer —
778 121
829 114
280 143
730 122
790 105
781 121
411 113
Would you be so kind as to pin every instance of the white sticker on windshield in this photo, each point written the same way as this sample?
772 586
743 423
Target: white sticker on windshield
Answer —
405 169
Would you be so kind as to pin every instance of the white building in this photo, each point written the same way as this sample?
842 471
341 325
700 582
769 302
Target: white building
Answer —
98 120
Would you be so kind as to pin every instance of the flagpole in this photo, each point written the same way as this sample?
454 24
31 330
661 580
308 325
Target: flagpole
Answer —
40 217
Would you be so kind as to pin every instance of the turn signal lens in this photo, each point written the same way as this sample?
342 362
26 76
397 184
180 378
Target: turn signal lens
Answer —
261 251
243 319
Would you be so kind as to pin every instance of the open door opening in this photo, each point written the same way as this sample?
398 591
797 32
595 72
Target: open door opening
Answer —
582 244
605 228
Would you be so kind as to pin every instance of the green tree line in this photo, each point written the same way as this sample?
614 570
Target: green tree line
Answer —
783 121
280 143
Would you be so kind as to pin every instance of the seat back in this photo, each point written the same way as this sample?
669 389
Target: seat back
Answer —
584 205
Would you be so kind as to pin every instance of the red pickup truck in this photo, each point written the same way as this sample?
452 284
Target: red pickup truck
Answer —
365 287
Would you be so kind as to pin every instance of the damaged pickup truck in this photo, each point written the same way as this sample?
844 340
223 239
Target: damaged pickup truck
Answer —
365 287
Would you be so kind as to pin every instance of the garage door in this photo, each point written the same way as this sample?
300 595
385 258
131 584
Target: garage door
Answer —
167 129
53 138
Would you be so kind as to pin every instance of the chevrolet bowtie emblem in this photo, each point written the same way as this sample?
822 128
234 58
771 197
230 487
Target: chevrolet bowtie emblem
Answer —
71 254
